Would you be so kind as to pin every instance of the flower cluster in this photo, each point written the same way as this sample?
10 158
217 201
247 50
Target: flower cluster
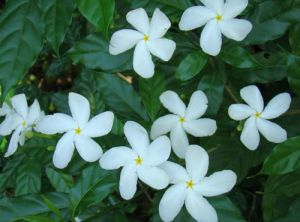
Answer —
145 160
217 16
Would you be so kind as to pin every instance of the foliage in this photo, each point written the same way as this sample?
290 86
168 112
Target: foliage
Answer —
51 47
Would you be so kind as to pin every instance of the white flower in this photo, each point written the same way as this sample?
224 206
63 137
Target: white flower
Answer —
190 185
183 120
218 18
140 162
147 40
19 119
78 131
258 116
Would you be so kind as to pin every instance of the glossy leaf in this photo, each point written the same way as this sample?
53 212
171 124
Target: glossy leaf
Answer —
21 33
294 73
58 16
61 182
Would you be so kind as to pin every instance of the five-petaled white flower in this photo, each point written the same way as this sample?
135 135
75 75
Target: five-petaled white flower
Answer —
183 120
19 119
190 185
258 116
218 18
148 40
78 131
140 162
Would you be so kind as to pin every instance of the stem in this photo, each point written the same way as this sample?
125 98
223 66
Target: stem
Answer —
145 192
230 93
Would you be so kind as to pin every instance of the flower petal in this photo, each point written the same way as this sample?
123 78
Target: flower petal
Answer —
172 202
199 208
56 123
163 125
10 123
159 25
252 96
80 109
271 131
19 103
162 48
124 40
250 136
176 172
195 17
197 106
153 177
197 161
216 5
211 38
99 125
179 141
13 143
87 148
116 157
34 113
137 137
5 109
172 102
233 8
128 181
277 106
216 184
200 127
158 152
236 29
240 111
142 60
64 151
138 18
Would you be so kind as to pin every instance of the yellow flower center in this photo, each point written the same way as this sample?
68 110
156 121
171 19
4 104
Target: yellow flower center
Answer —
257 114
146 38
24 124
218 17
77 131
138 160
182 119
190 184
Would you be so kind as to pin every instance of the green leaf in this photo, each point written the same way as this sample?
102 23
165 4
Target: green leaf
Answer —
121 97
57 16
284 158
93 53
191 65
294 37
294 73
213 86
238 57
150 90
99 12
94 185
35 219
61 182
28 179
11 209
179 4
226 210
292 214
21 40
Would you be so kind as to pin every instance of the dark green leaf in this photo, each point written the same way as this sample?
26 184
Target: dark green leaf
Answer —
294 73
238 57
61 182
191 65
121 97
284 158
93 53
150 90
180 4
21 40
28 179
98 12
294 37
213 86
57 16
